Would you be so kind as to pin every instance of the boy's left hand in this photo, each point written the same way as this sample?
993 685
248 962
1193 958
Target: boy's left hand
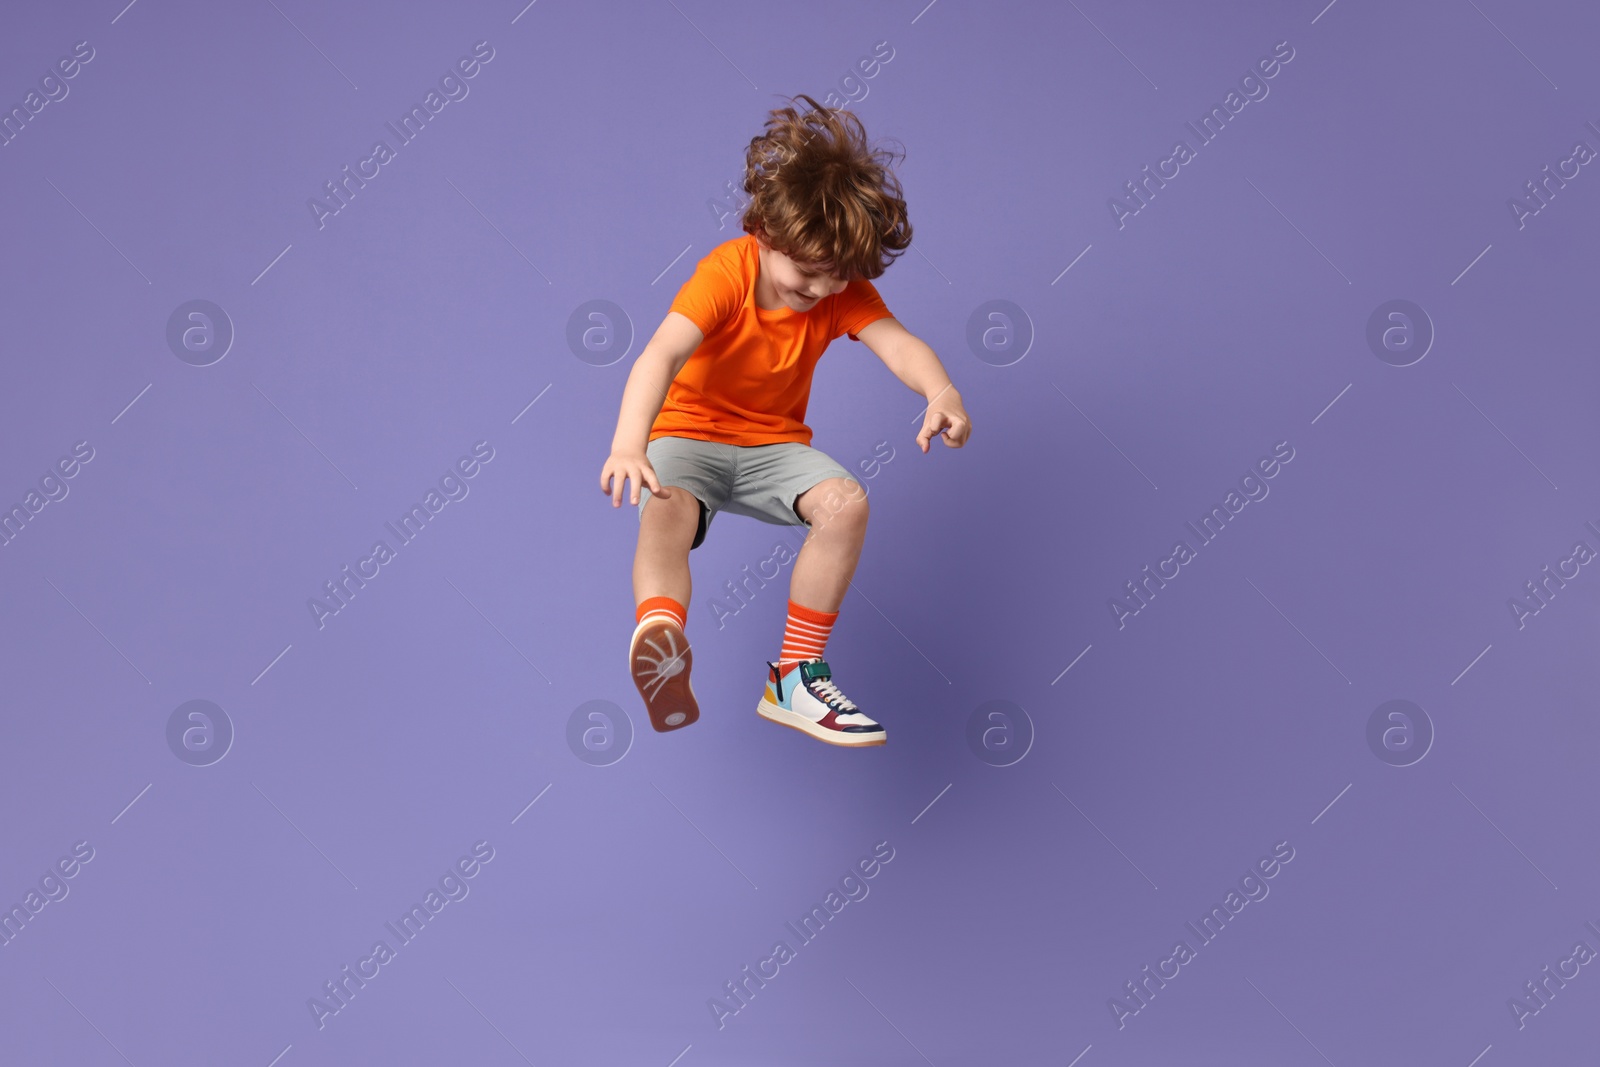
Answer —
946 417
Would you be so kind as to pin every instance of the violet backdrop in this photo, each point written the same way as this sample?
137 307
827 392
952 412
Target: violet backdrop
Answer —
1076 773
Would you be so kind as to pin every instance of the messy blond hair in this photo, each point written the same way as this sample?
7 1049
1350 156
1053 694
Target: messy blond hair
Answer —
820 194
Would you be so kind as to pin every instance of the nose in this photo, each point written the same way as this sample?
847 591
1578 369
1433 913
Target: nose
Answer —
817 288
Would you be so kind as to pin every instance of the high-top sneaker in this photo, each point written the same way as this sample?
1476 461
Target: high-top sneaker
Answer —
805 698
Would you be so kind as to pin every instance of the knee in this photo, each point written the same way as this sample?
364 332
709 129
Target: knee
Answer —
842 508
679 511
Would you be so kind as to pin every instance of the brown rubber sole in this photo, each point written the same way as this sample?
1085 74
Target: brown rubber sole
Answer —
659 659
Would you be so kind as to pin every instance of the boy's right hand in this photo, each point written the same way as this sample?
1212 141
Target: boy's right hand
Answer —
622 466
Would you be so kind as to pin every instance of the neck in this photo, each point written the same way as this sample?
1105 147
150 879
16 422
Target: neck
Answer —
766 296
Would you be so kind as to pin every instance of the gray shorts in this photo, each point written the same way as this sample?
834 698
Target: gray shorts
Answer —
761 481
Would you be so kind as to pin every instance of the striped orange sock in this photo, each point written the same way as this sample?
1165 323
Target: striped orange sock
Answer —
663 605
805 635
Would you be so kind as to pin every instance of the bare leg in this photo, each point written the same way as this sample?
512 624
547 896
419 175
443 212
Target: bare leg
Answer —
666 530
837 511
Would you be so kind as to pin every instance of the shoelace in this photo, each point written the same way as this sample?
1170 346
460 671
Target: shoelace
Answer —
831 691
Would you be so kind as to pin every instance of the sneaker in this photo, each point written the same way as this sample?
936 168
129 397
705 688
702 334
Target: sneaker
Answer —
659 659
806 699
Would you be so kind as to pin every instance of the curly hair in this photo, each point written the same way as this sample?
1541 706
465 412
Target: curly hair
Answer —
820 194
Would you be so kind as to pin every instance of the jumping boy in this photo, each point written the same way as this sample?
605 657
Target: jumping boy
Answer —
733 361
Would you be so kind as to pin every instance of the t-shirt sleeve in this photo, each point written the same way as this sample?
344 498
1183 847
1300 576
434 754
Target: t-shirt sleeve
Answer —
858 306
712 294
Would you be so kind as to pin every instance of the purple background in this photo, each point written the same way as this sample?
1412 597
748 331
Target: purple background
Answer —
432 310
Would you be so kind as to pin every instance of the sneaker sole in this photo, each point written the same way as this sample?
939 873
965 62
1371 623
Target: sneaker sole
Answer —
670 701
783 717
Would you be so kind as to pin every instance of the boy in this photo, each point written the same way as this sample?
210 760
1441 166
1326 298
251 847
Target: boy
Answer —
733 361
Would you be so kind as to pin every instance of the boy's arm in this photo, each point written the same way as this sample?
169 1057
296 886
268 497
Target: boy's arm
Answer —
904 353
914 363
675 340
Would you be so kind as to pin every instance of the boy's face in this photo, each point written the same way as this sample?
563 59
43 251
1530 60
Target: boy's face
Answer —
798 285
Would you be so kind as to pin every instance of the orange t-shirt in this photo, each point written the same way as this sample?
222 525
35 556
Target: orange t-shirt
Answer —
750 380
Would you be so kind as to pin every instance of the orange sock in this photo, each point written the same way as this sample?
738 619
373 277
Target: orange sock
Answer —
805 635
663 605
